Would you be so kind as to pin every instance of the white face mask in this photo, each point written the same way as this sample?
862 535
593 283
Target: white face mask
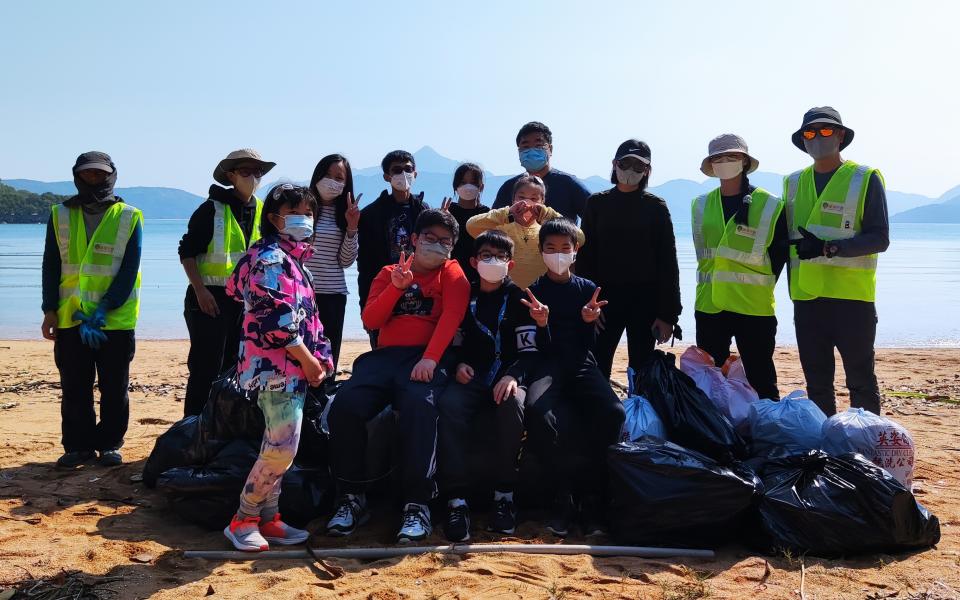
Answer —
468 192
628 177
329 188
558 262
727 170
492 270
402 181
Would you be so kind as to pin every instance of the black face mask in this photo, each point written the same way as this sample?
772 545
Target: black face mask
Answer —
101 192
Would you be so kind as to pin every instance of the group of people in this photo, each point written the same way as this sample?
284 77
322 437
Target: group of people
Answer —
514 311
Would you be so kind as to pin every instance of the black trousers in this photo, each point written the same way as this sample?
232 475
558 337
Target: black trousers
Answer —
459 406
850 326
381 378
331 309
756 339
79 365
572 416
214 345
627 311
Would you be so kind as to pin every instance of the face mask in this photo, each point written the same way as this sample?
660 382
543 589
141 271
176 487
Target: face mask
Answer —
468 192
329 189
99 192
402 182
492 270
727 170
246 185
629 177
821 147
432 255
534 159
297 227
559 263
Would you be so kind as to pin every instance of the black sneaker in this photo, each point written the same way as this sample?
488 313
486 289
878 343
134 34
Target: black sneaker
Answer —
457 525
416 523
74 459
504 517
593 516
351 512
110 458
562 514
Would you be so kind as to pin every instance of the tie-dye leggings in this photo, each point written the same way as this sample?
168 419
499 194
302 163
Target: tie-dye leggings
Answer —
283 415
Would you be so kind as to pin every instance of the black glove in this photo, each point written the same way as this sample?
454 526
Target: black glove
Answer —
809 247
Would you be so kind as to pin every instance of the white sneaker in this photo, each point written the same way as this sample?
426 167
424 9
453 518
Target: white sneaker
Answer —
416 523
245 534
351 512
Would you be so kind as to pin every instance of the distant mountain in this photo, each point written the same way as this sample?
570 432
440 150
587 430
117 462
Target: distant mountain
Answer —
942 212
155 202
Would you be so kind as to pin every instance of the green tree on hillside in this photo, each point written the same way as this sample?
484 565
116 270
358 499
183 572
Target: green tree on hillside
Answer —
19 206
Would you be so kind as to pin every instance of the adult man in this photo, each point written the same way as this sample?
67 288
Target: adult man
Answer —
565 193
837 218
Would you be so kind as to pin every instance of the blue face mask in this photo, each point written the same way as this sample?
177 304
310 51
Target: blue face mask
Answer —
534 159
298 227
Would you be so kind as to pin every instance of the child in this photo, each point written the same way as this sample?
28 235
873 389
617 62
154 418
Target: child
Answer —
386 224
498 352
335 244
521 221
282 352
91 299
574 414
417 305
467 185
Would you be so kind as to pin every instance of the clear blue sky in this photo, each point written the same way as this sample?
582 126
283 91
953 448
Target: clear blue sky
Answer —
168 88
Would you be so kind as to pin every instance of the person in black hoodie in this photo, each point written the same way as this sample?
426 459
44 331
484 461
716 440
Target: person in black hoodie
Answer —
642 284
468 186
218 234
499 351
387 223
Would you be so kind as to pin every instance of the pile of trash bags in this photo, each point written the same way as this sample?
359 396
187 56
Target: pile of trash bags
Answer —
784 477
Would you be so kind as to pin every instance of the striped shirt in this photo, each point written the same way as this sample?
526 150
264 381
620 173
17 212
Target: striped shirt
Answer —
333 251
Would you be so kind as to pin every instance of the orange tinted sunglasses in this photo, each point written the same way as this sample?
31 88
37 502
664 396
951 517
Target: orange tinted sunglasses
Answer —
826 132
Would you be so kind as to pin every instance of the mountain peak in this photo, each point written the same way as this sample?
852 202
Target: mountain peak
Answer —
431 161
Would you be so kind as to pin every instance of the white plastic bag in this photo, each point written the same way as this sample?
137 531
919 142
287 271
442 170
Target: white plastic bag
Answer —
794 425
730 393
642 420
884 442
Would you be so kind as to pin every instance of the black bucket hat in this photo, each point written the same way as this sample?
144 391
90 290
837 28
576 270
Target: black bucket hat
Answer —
821 114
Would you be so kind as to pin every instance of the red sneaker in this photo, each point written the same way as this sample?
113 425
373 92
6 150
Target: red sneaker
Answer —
278 532
245 535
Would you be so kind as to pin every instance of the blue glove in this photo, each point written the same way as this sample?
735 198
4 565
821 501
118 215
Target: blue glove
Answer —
90 333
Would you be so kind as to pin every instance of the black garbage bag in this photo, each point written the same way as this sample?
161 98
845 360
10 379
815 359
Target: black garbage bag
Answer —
225 473
665 495
830 506
182 445
691 419
231 412
305 495
313 451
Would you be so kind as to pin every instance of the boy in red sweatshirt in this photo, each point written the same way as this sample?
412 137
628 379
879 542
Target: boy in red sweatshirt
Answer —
417 305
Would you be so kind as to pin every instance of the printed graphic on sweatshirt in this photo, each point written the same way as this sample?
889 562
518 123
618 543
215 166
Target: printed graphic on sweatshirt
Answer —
413 302
526 338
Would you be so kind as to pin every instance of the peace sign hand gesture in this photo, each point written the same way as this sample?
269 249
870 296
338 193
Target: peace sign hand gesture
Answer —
591 310
445 204
401 276
539 312
352 214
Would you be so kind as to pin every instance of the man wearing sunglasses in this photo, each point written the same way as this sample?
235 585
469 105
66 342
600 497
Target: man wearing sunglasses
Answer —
837 218
386 225
218 234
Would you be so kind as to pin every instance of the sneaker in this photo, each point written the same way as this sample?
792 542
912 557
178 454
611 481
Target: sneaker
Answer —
563 513
245 535
457 526
504 517
110 458
276 531
74 459
351 513
593 516
416 523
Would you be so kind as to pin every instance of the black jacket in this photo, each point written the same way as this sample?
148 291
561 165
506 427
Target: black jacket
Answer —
631 246
374 231
200 228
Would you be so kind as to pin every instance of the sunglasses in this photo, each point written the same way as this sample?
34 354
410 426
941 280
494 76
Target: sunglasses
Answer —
245 172
404 169
632 164
827 131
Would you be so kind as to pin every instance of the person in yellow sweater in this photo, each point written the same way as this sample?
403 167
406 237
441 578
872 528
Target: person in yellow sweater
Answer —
521 221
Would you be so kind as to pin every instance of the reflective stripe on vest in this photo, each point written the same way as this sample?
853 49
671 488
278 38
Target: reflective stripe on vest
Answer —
217 263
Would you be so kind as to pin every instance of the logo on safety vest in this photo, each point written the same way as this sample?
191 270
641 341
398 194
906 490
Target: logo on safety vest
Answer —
746 231
101 248
835 208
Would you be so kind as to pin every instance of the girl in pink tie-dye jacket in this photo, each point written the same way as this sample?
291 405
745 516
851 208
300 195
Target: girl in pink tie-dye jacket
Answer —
283 350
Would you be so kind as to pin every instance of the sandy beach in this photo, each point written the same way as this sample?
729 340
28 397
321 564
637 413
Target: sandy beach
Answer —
123 537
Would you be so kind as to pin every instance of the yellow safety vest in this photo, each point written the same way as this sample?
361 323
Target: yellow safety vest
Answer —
87 267
836 214
733 266
227 245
